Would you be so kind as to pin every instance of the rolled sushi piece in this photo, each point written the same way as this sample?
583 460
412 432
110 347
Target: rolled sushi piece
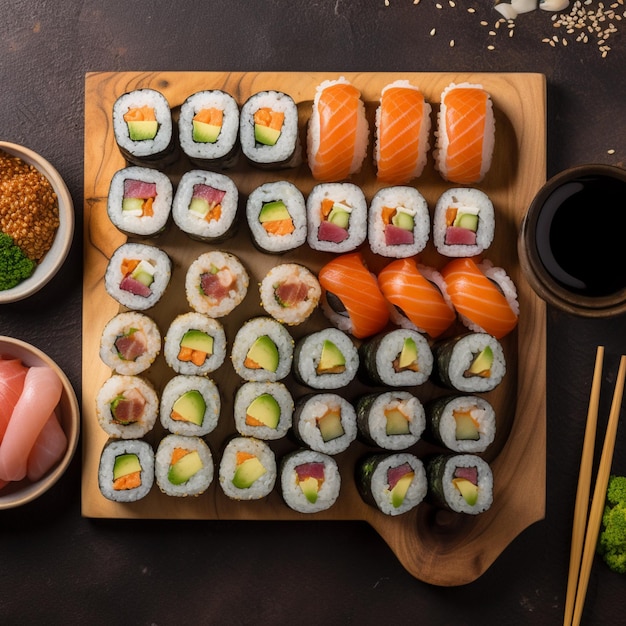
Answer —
216 283
140 201
247 469
205 206
143 128
338 131
126 470
402 133
483 295
463 223
268 130
462 483
137 275
398 224
326 359
183 466
290 293
130 343
262 350
263 410
276 215
351 298
393 483
465 133
195 344
309 481
325 422
391 420
336 217
462 423
190 405
127 407
470 363
208 129
397 358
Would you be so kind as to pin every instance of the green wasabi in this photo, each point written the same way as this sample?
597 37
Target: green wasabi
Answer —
15 266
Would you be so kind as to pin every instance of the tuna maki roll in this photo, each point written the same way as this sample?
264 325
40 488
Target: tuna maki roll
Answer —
263 410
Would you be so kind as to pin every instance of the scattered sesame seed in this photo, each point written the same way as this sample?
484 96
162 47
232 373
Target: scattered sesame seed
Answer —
432 32
610 151
452 43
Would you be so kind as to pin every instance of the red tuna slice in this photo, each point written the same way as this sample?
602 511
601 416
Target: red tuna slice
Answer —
455 235
310 470
132 345
331 232
394 474
469 473
213 285
396 236
210 194
139 189
130 408
135 287
12 375
291 292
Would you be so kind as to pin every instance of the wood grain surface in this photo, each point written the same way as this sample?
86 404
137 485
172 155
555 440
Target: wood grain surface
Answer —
434 546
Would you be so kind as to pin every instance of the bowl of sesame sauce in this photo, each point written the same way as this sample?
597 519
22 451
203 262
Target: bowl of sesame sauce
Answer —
36 222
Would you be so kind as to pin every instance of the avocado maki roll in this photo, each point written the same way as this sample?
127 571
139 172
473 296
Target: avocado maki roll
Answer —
263 410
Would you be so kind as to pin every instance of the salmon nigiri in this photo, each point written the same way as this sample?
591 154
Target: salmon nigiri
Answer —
351 298
12 374
483 295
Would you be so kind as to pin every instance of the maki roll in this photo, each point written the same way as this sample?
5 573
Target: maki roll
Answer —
276 215
326 359
205 205
195 344
137 275
336 217
208 129
393 483
263 410
247 469
130 343
216 283
126 407
268 130
139 201
309 481
398 223
183 466
262 350
126 470
462 483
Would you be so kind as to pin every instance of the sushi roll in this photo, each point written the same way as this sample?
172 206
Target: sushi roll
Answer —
326 359
130 343
391 420
143 128
463 223
126 470
417 297
465 133
263 410
216 283
190 405
247 469
351 298
338 131
137 275
470 363
208 129
462 423
195 344
126 407
402 133
336 217
290 293
483 295
140 201
398 223
205 206
309 481
325 422
268 130
262 350
393 483
276 216
397 358
183 466
462 483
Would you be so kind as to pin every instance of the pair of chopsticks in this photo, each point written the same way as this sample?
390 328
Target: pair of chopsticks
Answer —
587 520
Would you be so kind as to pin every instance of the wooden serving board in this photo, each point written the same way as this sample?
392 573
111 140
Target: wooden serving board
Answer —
434 546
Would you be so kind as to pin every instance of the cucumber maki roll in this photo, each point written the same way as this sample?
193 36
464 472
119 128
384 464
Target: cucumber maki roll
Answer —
126 470
263 410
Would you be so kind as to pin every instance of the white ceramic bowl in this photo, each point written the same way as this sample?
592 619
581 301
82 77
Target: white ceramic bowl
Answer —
19 493
57 254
